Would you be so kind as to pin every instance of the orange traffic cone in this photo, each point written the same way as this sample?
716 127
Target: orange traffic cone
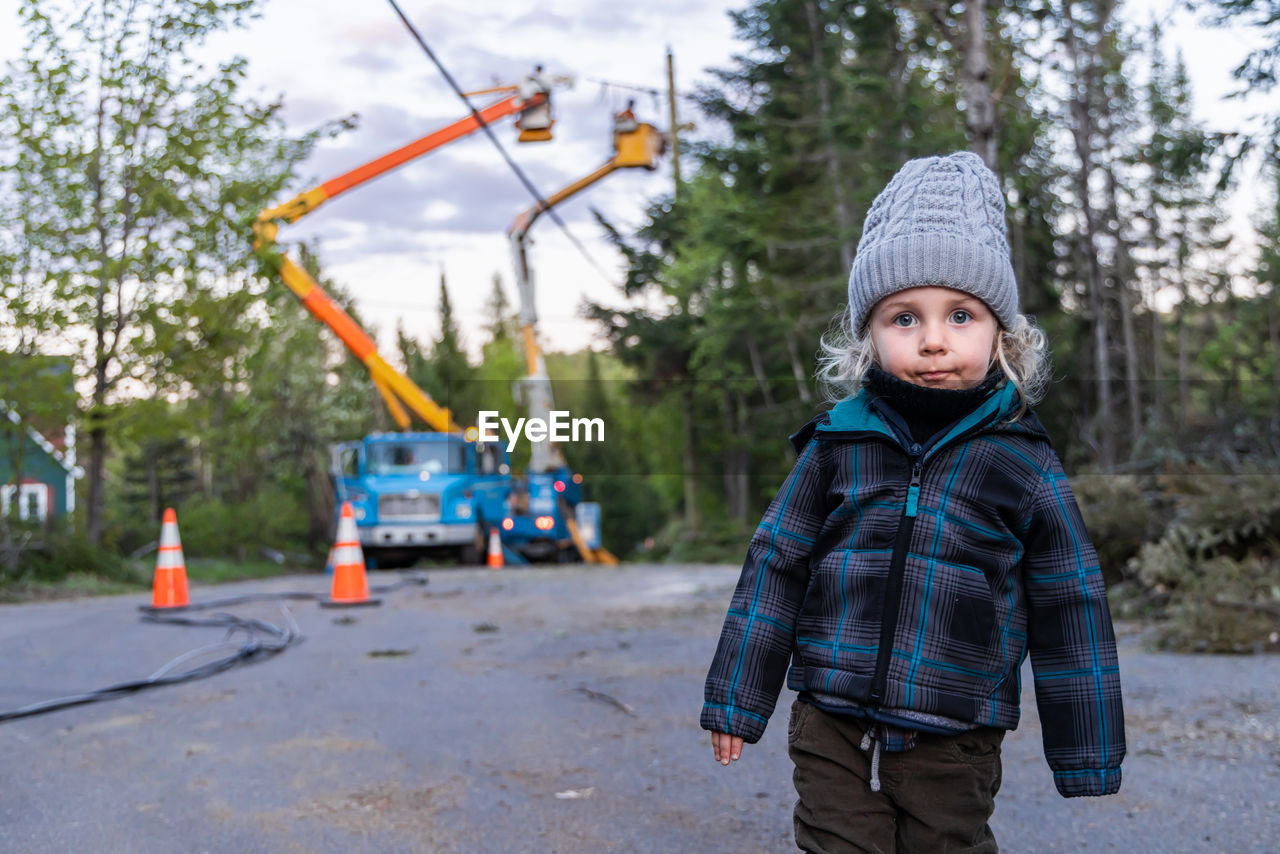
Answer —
169 589
494 558
350 587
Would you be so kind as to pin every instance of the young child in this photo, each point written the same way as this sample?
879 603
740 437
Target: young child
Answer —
924 542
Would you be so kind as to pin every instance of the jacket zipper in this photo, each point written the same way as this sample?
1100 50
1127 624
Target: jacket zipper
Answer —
893 585
898 559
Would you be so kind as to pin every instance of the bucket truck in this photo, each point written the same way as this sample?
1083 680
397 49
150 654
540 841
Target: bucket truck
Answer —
412 492
547 516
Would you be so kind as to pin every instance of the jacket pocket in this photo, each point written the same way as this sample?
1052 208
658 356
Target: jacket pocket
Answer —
957 648
972 618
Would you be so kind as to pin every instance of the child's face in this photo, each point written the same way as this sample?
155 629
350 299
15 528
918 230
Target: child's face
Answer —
934 336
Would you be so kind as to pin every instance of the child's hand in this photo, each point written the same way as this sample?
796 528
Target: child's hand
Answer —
726 747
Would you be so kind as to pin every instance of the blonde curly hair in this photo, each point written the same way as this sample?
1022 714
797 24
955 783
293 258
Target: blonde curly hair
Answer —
1022 352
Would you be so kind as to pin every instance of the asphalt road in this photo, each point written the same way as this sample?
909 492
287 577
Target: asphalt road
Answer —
545 710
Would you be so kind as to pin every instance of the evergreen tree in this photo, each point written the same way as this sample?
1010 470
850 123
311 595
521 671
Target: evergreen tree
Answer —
501 322
1185 226
159 474
415 359
1260 69
752 260
452 369
445 373
502 364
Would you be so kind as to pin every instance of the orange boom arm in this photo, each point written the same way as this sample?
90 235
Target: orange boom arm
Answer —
397 390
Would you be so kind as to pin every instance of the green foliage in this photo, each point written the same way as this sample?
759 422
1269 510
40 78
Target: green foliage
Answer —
618 472
1215 571
306 393
502 367
135 172
222 570
718 540
748 262
159 474
444 371
67 564
67 554
1122 513
271 518
1231 608
502 324
1260 69
253 440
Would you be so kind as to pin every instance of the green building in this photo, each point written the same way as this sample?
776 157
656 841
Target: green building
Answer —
36 472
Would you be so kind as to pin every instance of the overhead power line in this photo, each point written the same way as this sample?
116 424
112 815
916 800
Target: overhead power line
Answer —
515 167
632 87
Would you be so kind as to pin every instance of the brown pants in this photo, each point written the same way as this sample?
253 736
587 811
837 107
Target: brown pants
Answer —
933 798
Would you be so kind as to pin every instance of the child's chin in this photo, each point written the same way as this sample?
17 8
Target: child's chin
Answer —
947 382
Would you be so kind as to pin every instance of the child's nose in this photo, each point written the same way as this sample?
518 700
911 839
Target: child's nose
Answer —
933 337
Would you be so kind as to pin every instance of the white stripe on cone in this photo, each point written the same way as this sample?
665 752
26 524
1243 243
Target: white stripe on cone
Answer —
494 560
346 554
170 552
347 549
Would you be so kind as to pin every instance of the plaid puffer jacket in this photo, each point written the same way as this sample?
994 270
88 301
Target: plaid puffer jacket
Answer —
902 576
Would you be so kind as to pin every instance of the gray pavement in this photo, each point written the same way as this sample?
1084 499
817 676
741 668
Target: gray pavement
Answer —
478 714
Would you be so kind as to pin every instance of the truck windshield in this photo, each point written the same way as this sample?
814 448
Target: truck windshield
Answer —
417 458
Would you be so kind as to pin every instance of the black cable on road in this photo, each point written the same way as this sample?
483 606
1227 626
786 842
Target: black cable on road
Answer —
515 167
278 639
251 650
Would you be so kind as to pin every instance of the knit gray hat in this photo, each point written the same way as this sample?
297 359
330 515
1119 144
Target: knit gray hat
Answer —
940 221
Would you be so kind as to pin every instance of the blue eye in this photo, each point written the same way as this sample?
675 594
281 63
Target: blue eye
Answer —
961 316
905 317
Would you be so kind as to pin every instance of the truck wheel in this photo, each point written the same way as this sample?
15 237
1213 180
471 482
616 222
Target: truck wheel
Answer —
568 554
473 553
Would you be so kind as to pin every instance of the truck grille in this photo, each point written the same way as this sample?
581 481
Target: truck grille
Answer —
426 506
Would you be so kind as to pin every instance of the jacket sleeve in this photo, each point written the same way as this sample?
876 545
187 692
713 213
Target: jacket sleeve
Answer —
751 659
1072 644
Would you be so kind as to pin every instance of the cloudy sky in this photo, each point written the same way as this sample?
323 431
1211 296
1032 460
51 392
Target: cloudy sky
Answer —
389 241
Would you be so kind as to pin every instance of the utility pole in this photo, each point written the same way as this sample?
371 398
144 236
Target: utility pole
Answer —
673 122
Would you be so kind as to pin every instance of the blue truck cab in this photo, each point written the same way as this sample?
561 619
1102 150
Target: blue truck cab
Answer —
420 494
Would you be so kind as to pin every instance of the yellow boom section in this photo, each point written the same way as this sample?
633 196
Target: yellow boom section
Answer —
638 146
397 390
